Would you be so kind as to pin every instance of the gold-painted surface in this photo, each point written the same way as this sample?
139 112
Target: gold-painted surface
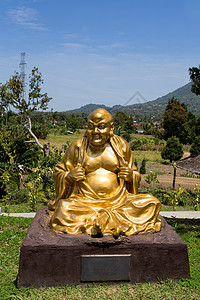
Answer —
96 186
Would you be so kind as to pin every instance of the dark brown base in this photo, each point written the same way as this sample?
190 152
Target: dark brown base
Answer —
50 259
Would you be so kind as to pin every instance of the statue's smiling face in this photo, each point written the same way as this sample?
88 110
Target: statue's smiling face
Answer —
100 126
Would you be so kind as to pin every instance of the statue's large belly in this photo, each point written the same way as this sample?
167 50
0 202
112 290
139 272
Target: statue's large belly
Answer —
102 181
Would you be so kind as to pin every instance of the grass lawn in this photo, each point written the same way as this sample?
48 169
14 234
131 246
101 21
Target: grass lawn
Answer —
150 156
13 232
21 208
59 140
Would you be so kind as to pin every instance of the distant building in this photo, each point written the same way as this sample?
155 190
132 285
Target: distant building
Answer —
140 131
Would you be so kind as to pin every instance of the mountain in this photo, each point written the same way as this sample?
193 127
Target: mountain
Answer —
151 109
89 107
183 94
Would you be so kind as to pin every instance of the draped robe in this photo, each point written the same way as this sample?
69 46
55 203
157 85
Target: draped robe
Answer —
77 208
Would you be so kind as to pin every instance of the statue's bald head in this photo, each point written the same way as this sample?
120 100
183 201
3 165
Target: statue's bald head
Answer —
100 127
100 114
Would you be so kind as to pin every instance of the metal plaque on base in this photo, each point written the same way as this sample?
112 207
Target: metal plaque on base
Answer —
104 268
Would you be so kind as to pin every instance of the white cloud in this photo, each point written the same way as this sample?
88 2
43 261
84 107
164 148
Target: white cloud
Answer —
71 35
115 45
74 46
25 16
87 45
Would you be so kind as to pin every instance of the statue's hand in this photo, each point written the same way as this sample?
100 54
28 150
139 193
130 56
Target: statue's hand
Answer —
137 176
78 173
126 173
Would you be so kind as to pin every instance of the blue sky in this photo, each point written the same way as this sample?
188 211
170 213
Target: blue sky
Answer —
101 52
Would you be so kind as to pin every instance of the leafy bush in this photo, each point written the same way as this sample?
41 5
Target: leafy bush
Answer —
136 163
41 130
135 144
40 183
143 167
30 185
146 144
14 147
173 149
151 177
125 135
197 198
157 192
195 147
177 197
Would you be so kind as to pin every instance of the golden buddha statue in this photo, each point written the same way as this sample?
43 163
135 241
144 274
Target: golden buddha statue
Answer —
96 186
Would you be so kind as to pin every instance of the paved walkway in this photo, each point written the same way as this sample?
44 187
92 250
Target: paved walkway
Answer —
181 214
24 215
167 214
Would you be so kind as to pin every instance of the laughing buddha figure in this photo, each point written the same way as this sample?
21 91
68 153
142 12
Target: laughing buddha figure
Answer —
96 186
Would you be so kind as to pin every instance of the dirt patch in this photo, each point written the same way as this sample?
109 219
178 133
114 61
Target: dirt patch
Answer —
165 177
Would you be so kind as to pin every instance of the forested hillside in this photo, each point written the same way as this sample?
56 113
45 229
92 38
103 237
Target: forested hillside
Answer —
156 108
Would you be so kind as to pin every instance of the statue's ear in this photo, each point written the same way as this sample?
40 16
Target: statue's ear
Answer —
111 128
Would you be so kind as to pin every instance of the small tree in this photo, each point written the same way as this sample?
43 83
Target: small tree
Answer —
194 73
174 119
11 96
195 147
172 151
136 163
143 167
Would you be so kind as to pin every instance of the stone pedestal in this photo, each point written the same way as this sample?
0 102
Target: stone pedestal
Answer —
50 259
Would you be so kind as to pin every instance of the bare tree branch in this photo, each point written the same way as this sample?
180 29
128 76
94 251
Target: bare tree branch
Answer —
33 135
46 147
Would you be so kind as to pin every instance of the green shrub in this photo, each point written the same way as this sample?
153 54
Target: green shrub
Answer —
173 149
125 135
196 203
151 177
146 144
135 144
143 167
195 147
177 197
136 163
